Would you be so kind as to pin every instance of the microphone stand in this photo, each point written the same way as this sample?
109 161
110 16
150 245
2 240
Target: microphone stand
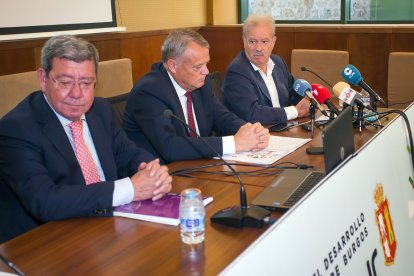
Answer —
235 216
374 104
360 117
331 116
312 117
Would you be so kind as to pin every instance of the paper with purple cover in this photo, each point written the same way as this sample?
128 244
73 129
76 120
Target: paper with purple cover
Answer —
165 210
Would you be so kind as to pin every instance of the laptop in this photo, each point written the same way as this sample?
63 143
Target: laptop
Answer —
292 184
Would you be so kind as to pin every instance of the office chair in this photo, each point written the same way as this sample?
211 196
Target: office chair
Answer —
400 73
326 63
118 103
216 82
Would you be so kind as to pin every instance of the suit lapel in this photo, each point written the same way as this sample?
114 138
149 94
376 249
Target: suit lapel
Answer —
53 130
176 108
257 78
262 85
276 73
199 111
102 143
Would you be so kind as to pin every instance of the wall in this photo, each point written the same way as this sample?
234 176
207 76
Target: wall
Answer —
222 12
145 15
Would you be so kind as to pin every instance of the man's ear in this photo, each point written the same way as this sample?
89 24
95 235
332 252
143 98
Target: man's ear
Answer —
41 75
172 65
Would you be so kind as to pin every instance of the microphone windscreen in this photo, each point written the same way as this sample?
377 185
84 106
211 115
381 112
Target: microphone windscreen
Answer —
351 74
301 86
168 113
339 87
320 93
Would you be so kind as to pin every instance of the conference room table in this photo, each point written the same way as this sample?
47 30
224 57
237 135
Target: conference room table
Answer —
123 246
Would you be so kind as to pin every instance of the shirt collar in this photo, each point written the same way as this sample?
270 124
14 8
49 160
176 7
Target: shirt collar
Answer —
270 66
64 121
180 91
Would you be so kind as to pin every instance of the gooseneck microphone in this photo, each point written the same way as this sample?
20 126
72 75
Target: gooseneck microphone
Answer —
352 75
323 96
235 216
304 69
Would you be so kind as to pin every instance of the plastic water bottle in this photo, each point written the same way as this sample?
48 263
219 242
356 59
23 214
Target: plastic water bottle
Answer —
364 97
192 216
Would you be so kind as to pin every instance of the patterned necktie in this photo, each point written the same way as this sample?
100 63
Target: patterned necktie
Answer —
190 114
90 173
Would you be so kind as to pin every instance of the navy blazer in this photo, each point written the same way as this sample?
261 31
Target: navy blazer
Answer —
42 179
244 91
145 123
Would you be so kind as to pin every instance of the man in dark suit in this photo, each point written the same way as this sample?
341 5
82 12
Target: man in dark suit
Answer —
62 153
257 85
179 84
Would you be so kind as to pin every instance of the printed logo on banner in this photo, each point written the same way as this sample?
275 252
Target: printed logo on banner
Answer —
385 227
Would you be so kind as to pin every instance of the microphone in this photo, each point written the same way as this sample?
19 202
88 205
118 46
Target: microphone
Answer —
303 88
352 75
304 69
234 216
349 96
322 95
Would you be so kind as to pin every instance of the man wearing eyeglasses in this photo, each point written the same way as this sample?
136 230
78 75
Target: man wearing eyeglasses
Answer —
62 153
180 84
258 86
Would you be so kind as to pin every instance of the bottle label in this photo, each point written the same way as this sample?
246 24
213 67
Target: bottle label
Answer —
192 224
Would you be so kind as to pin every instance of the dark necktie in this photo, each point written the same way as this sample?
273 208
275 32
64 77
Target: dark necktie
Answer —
190 114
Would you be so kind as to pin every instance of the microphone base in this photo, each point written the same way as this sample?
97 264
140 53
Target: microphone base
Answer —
234 216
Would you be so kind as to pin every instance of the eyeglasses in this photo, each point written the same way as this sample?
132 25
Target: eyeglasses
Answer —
255 43
66 84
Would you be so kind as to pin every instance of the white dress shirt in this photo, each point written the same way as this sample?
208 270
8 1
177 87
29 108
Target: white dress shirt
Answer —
123 189
229 145
291 111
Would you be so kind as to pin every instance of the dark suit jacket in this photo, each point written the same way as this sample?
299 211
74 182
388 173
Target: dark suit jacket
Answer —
42 179
145 123
245 93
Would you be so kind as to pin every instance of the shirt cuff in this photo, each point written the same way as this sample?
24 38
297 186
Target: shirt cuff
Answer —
229 145
123 192
291 112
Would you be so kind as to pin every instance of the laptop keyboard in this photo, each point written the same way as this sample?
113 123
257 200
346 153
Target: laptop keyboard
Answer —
304 188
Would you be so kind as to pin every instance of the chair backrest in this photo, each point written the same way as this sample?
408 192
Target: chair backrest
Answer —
118 103
216 82
114 77
15 87
326 63
400 72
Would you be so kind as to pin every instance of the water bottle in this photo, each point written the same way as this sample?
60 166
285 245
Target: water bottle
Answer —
192 216
364 97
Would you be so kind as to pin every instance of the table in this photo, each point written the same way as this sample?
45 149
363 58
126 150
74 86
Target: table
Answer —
121 246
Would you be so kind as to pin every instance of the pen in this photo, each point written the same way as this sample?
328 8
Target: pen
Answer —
11 265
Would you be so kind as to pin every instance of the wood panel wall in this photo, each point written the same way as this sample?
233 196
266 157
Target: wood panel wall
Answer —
143 48
368 47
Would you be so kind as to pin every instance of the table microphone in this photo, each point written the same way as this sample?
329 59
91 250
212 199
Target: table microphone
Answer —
234 216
